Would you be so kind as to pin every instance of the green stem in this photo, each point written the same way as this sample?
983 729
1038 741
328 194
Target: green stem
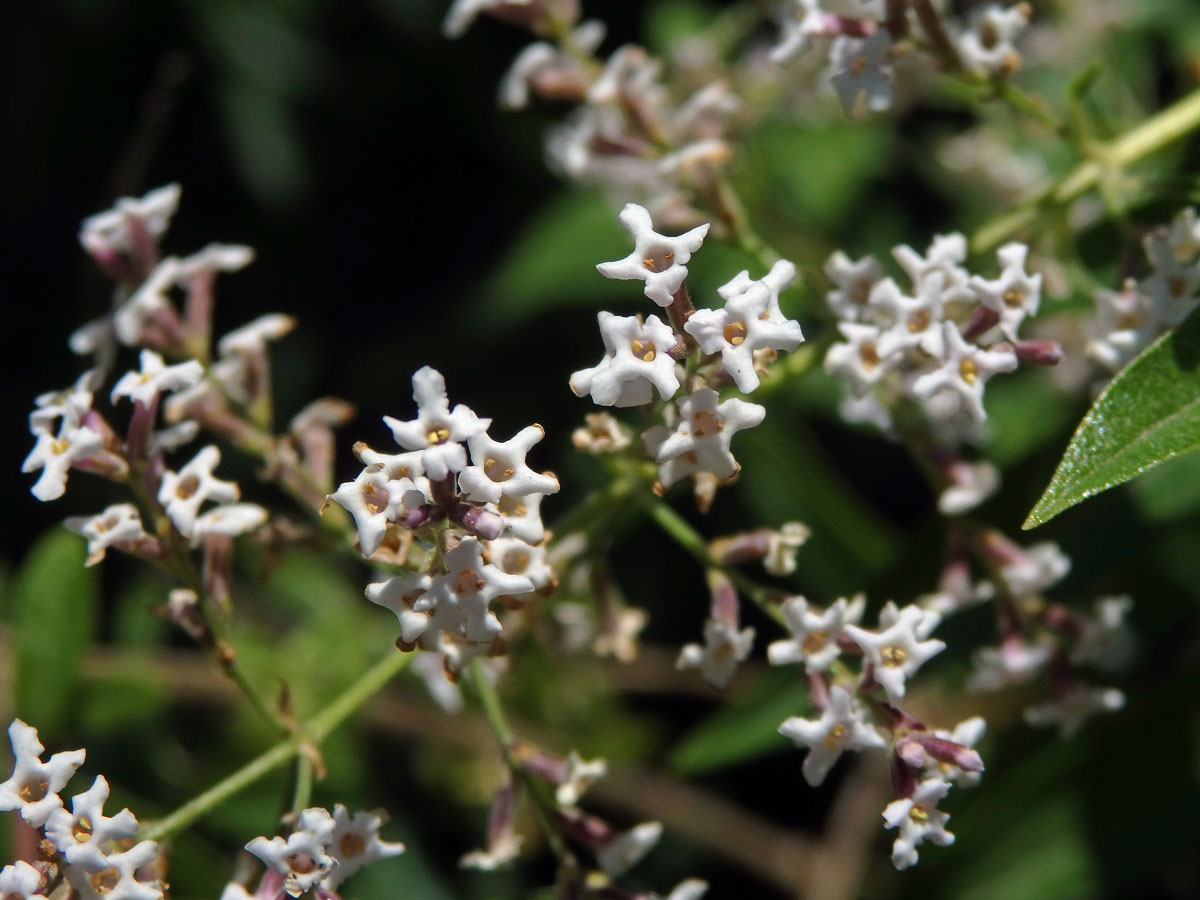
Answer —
313 731
1149 137
494 713
695 544
302 792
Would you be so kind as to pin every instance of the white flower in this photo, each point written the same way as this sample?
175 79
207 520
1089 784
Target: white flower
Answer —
355 843
750 321
800 26
301 858
987 47
469 586
34 785
1102 631
52 406
436 431
580 775
945 255
623 852
118 524
251 338
1035 569
814 633
182 493
21 881
131 318
374 500
463 13
516 557
780 558
656 259
912 322
230 520
156 378
853 281
601 434
1128 321
85 835
499 467
55 454
861 359
215 258
973 483
899 649
1071 710
109 232
688 889
235 891
919 820
637 360
724 647
118 880
701 439
841 727
1015 294
863 67
399 594
552 71
1013 662
497 855
522 517
964 372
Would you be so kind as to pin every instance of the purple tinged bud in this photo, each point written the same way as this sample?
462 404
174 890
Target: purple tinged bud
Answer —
1039 353
949 752
982 319
912 753
482 523
725 607
415 518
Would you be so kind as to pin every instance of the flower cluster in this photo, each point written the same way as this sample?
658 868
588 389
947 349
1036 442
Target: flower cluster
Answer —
934 349
863 712
321 852
627 132
860 39
477 526
1129 319
1038 638
613 851
189 505
98 855
643 356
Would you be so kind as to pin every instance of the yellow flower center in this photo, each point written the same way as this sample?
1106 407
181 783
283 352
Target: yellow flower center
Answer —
968 370
468 582
33 791
893 657
1013 298
496 470
643 350
351 844
836 733
438 434
659 262
735 333
706 423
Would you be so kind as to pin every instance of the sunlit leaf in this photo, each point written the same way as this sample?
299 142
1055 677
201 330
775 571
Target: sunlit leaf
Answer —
1148 414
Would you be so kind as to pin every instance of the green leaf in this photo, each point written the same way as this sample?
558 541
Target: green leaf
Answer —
745 730
1148 414
54 616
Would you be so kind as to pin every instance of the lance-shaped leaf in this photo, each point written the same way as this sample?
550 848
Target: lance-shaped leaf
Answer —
1148 414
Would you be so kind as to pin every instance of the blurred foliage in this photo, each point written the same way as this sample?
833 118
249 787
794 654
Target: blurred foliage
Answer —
412 223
